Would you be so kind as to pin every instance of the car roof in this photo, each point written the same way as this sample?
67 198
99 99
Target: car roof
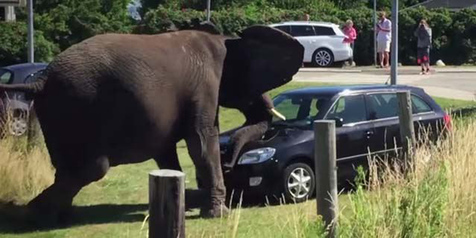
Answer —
25 66
333 90
21 71
314 23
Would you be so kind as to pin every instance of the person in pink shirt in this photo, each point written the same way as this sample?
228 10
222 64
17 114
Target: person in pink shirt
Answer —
351 35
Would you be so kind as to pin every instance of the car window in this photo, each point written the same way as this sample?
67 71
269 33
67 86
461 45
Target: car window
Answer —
302 31
386 105
383 105
324 31
300 109
5 76
350 108
33 77
419 106
287 107
286 29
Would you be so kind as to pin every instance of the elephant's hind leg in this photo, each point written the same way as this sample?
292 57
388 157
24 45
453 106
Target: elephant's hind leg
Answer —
169 159
54 204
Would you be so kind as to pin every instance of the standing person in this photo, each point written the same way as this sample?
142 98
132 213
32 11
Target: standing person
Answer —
384 38
351 35
423 33
307 17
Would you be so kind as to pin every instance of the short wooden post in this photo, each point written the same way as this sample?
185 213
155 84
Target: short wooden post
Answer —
166 204
407 131
326 173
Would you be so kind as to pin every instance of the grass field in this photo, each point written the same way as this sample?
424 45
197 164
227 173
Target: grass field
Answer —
116 205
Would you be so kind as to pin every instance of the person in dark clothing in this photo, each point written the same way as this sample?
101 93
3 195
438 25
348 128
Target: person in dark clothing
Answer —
423 33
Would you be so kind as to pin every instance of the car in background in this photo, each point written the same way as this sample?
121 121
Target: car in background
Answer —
15 103
282 162
323 42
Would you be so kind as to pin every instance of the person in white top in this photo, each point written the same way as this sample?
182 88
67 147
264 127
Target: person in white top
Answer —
384 38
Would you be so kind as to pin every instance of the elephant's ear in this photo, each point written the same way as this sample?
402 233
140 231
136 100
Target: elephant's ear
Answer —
262 58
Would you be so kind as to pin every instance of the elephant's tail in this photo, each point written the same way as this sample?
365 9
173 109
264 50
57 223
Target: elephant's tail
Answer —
30 88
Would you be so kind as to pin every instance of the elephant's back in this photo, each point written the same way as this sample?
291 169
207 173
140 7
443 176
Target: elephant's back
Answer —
124 57
96 89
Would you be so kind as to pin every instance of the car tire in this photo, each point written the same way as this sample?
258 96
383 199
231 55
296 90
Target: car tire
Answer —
18 123
322 58
299 182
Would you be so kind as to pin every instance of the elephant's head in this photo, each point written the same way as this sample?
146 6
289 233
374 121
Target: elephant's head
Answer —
263 58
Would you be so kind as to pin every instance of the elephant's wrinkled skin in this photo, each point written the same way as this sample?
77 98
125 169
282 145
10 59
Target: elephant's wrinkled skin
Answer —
117 99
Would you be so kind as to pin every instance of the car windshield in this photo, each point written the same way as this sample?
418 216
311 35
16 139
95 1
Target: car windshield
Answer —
299 110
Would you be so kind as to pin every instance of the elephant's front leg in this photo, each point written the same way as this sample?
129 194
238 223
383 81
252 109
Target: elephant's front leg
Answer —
204 149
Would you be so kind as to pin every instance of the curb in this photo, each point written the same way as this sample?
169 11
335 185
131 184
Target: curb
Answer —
330 70
383 71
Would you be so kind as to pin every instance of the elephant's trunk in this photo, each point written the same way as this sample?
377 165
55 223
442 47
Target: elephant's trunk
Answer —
258 119
244 135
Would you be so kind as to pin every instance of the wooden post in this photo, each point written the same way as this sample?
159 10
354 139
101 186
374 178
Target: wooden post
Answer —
166 204
326 173
407 131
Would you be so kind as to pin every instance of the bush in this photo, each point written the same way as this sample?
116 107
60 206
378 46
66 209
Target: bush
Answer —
454 33
14 47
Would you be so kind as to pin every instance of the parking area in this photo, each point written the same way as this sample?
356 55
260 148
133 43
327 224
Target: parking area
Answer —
447 82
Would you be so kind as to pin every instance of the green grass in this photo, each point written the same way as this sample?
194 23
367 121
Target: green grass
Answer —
448 104
116 205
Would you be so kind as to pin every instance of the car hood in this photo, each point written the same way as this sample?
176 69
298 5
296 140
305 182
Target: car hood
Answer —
276 137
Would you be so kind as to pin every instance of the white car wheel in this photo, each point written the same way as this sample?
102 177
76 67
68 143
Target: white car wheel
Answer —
323 58
299 182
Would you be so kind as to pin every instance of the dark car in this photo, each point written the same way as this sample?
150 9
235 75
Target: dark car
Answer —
15 102
282 162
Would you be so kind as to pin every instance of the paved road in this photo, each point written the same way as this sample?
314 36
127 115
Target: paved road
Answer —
448 83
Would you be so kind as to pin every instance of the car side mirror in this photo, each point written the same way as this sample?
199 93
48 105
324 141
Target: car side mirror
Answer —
339 121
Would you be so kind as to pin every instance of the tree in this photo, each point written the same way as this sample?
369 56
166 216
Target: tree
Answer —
66 22
13 44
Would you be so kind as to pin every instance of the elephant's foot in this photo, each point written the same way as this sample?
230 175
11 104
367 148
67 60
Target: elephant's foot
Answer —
53 217
13 212
48 211
215 210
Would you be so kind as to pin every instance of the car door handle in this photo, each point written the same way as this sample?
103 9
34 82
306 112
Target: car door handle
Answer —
369 133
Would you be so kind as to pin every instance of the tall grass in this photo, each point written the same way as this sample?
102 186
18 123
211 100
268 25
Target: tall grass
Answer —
24 172
435 198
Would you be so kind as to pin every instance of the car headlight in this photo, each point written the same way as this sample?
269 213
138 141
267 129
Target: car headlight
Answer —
257 156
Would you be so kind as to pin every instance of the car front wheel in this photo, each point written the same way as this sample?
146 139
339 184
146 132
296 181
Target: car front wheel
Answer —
299 182
323 58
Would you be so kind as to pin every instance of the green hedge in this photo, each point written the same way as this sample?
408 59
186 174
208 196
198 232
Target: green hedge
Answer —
13 44
454 33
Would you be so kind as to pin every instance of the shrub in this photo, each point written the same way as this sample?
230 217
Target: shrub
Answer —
454 33
13 44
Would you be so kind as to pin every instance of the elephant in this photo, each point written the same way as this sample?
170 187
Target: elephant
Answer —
118 99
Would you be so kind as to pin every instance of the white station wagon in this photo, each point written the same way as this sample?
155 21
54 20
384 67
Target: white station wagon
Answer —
323 42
